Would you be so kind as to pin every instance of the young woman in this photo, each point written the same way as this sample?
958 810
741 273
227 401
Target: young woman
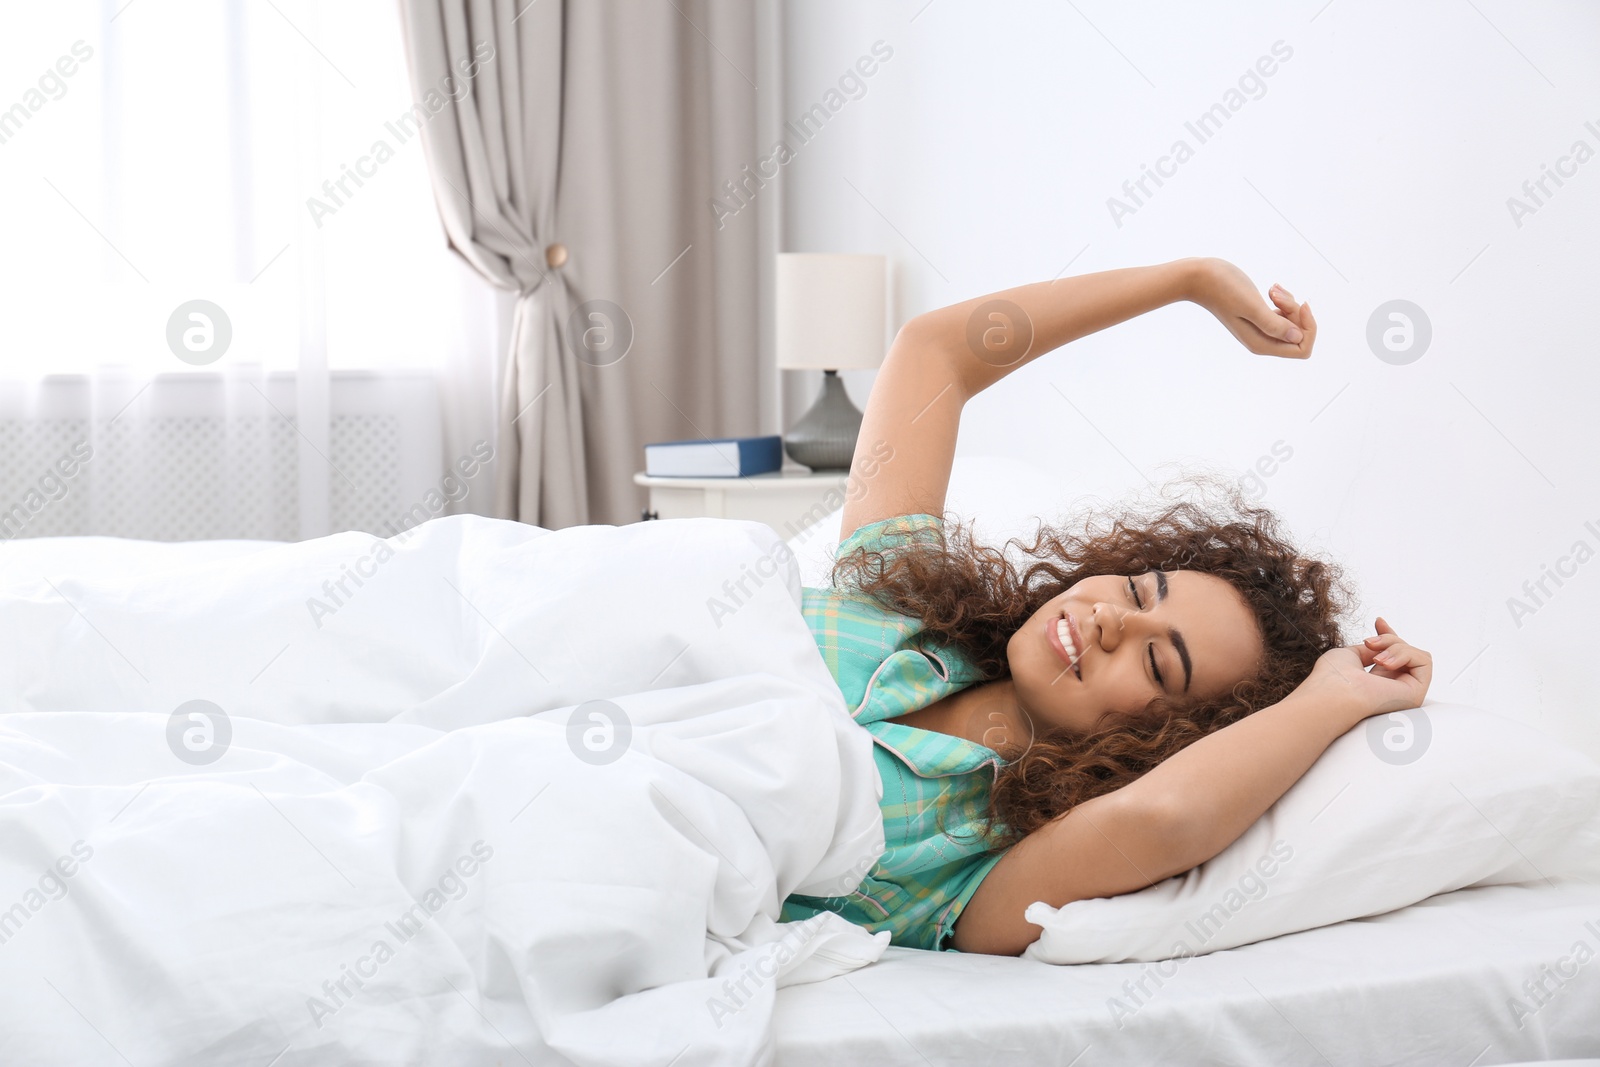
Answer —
1118 711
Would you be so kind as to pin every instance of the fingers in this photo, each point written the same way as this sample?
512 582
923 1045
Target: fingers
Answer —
1279 328
1409 653
1286 333
1291 310
1388 668
1254 336
1285 301
1368 656
1309 325
1401 657
1392 658
1384 637
1389 650
1379 642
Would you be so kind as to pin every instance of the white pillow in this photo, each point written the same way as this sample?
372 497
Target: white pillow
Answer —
1001 496
1400 808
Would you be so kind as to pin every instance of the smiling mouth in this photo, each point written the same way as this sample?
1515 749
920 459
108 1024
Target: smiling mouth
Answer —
1067 642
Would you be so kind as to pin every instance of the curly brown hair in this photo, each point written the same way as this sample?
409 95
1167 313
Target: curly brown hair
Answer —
971 597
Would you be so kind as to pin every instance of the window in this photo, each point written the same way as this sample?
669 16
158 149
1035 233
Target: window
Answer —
245 152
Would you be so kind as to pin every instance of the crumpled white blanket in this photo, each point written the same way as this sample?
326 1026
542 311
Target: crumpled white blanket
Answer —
482 793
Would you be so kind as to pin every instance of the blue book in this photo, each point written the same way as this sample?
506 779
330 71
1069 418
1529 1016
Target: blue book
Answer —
726 457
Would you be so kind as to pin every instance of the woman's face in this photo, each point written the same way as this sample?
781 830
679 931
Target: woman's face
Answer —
1176 633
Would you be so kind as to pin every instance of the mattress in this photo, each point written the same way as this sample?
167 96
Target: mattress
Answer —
1491 975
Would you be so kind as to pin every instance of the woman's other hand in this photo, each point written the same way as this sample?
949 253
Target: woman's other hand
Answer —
1281 328
1398 680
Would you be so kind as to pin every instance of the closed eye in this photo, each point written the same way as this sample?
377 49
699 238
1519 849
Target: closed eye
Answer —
1134 589
1153 668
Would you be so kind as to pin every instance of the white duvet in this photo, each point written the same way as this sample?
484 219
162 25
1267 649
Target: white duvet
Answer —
484 793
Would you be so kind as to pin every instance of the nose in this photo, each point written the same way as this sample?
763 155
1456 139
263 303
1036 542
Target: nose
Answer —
1108 624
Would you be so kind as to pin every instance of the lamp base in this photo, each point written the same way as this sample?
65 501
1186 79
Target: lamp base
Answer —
825 437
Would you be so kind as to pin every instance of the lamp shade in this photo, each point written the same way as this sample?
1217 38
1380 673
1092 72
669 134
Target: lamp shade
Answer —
830 311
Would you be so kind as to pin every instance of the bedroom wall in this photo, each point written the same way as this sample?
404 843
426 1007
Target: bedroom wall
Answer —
1383 159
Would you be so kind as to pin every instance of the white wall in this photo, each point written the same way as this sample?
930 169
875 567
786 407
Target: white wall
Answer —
1376 165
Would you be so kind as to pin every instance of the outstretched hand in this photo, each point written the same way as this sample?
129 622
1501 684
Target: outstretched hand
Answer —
1282 328
1397 681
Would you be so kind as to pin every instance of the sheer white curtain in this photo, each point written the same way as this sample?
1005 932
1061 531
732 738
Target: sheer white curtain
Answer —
254 155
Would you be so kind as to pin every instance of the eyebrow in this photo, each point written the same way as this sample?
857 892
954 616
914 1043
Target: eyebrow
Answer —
1183 654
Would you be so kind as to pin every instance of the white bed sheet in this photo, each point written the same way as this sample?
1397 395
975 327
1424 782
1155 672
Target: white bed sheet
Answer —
362 764
1429 984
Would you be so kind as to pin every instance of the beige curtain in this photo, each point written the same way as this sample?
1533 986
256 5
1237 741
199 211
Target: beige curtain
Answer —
576 149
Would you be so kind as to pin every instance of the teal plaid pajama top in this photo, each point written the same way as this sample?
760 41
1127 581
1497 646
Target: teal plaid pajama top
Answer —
918 887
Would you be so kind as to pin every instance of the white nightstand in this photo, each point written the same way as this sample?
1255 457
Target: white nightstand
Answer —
788 502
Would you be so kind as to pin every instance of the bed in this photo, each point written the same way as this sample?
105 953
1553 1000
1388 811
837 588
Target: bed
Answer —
368 761
1440 982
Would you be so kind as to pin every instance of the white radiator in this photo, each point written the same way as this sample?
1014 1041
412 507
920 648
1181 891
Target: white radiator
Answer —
187 469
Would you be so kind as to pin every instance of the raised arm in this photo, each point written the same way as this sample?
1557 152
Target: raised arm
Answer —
1195 803
942 359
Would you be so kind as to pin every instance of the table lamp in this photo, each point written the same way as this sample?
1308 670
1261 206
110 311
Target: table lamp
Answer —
829 317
